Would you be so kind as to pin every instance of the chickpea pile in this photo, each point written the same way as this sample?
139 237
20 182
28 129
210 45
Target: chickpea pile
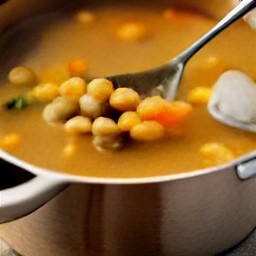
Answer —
109 114
112 116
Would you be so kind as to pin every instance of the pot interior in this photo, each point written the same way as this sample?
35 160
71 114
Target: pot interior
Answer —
18 46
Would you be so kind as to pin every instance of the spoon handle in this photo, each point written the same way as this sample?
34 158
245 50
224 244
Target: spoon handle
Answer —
241 9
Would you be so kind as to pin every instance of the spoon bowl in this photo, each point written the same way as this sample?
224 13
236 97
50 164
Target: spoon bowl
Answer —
163 80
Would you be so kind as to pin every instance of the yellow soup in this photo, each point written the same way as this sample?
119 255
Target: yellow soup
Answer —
111 40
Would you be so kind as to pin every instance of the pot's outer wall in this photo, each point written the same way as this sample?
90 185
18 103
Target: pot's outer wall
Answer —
203 215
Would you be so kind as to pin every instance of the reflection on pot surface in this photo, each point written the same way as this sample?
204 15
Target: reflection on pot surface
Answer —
203 215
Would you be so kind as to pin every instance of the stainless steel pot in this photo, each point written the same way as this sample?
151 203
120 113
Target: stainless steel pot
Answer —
199 213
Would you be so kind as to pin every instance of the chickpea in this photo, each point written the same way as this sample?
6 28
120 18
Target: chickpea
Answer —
78 124
127 120
200 95
216 153
150 107
101 89
10 141
124 99
85 17
91 107
108 143
73 88
132 32
22 76
60 110
56 74
46 91
213 62
103 126
70 149
147 131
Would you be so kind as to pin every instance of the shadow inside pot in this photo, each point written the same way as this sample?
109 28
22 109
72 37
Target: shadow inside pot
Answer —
12 176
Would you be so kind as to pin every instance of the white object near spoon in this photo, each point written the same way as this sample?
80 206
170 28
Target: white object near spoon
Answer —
233 101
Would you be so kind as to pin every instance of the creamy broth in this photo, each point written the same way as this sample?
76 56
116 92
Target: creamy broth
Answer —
58 38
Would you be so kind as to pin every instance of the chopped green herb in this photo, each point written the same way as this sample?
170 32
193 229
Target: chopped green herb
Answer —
19 102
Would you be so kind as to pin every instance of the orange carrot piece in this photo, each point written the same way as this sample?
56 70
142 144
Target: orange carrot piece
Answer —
77 67
175 113
182 16
150 107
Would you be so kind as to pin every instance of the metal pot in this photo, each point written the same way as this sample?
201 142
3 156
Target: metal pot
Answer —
203 212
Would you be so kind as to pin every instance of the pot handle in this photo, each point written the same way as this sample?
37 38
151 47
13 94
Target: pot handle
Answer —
246 169
23 199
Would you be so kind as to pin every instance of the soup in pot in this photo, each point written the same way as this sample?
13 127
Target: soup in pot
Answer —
54 115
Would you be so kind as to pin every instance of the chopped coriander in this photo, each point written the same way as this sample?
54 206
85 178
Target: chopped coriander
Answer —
19 102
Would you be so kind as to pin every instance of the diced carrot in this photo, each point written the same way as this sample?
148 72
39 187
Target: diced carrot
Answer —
168 114
77 67
181 16
169 14
150 107
175 113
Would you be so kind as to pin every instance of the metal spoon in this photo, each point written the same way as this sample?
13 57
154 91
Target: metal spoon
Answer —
166 79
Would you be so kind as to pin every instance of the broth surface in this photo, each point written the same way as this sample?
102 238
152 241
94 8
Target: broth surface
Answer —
58 38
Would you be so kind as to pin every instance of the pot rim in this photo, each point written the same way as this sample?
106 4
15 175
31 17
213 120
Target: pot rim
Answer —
63 177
